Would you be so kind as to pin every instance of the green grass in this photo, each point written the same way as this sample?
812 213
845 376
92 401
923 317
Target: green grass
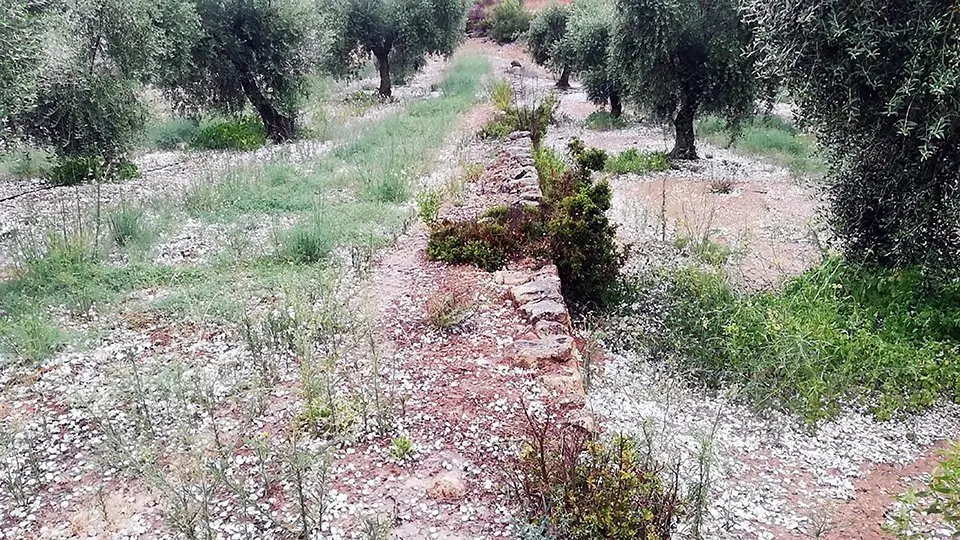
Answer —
346 199
66 272
357 187
129 226
602 120
26 163
839 335
768 137
170 134
633 161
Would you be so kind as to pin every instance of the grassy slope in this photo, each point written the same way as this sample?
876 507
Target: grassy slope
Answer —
352 197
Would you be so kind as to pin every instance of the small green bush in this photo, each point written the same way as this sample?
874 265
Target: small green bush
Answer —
509 21
234 134
838 335
582 488
632 161
588 159
428 203
30 336
79 170
489 242
584 247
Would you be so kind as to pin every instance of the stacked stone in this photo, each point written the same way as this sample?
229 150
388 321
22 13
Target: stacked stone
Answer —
514 173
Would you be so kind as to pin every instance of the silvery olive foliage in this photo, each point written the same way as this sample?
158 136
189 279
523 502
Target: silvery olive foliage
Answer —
80 93
685 58
547 28
880 83
586 47
398 34
244 52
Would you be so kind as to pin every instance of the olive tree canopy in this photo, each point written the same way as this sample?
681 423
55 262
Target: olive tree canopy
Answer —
399 34
880 83
547 30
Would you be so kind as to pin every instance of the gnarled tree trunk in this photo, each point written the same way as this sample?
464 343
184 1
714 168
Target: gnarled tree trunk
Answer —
685 144
383 66
616 105
280 127
564 81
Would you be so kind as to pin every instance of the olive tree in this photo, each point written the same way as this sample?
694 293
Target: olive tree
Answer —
83 97
256 52
547 30
586 47
399 34
19 59
684 58
880 83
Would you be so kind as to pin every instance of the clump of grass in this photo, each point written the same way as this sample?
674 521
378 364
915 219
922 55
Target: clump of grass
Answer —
602 120
533 117
307 243
26 163
402 448
128 225
767 137
448 309
838 335
632 161
722 186
704 248
501 93
30 335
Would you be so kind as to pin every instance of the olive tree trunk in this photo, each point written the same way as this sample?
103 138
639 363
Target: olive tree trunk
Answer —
616 105
383 66
280 127
685 144
564 81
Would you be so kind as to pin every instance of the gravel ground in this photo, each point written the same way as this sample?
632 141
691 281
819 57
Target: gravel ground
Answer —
773 476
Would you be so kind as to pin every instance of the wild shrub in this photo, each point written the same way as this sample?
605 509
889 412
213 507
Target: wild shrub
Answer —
584 247
854 335
553 171
428 205
581 487
632 161
171 134
509 21
26 163
78 170
489 242
941 498
233 134
534 118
